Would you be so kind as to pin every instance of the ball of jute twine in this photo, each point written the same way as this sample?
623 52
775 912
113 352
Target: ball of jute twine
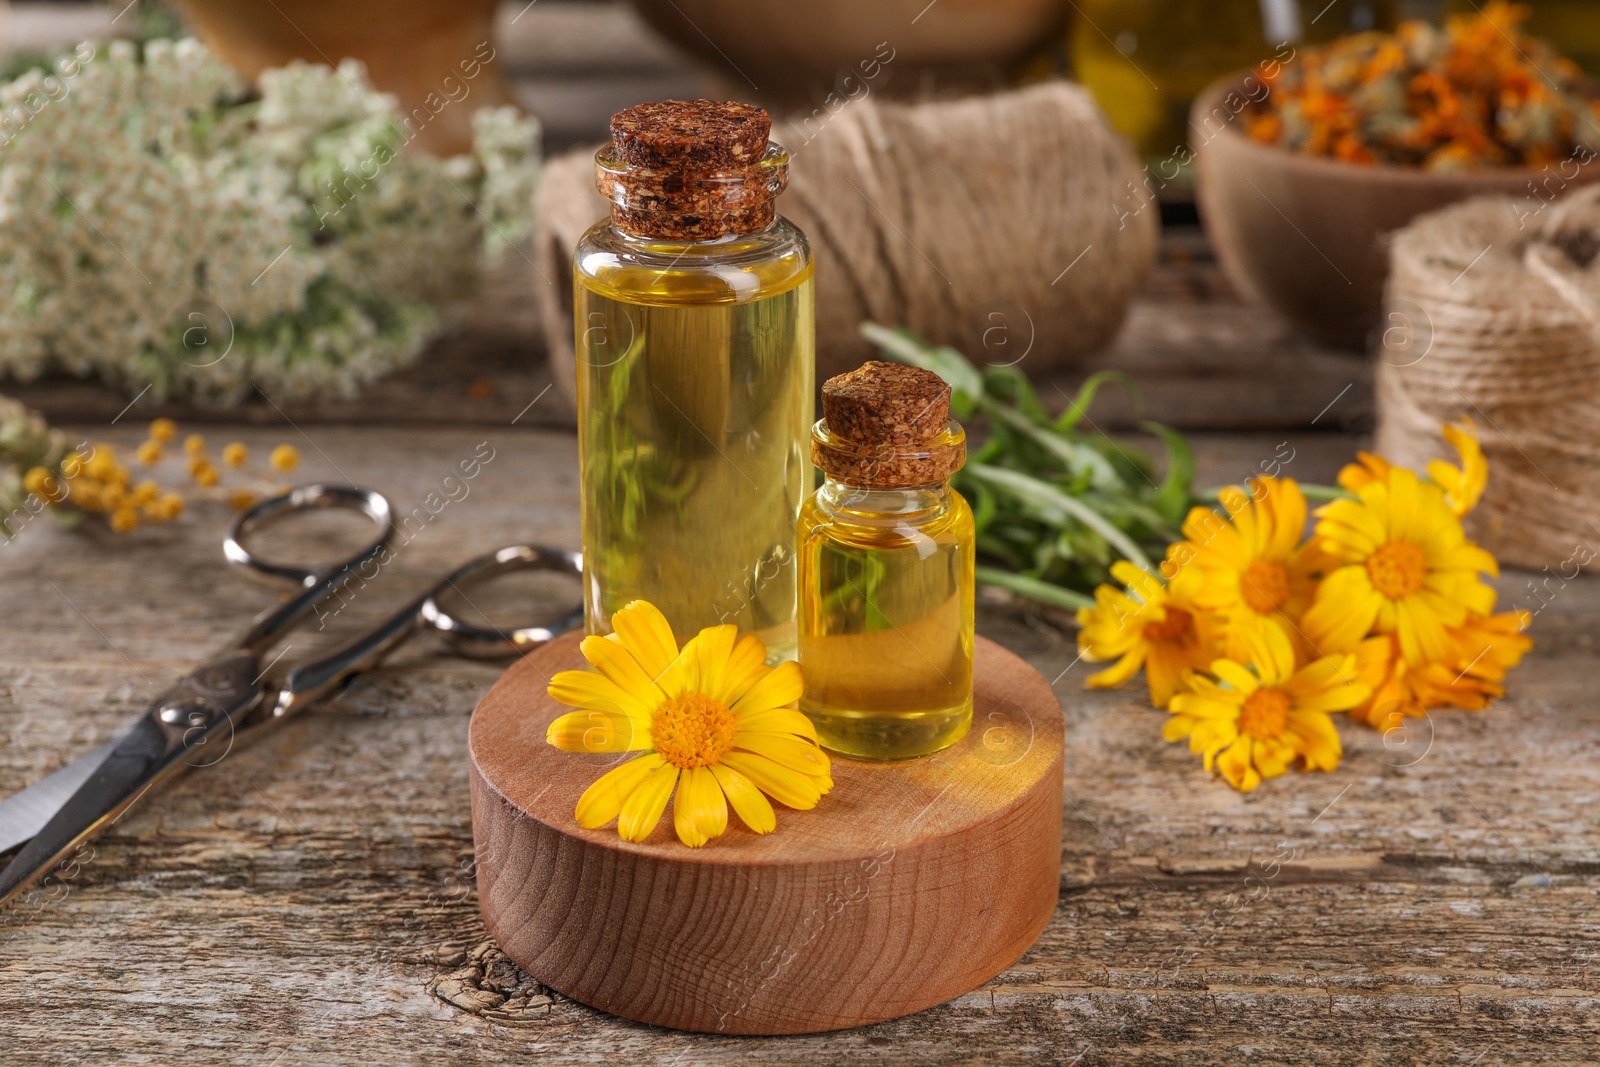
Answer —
1000 225
1499 314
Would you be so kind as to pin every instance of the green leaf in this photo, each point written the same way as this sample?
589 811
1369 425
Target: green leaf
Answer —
1172 499
1077 458
1068 420
1053 505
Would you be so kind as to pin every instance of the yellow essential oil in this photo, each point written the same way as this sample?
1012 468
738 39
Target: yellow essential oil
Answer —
694 336
886 570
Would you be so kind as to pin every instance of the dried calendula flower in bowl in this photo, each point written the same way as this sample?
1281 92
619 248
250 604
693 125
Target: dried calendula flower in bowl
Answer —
711 721
1475 94
41 471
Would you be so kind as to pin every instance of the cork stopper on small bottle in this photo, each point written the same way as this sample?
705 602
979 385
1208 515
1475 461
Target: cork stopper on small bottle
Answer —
690 170
887 428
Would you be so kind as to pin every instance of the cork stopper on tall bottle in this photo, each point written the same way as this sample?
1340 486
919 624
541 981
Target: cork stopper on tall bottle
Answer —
887 427
691 170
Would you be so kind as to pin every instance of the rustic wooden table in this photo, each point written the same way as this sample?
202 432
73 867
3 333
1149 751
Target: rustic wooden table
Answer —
311 900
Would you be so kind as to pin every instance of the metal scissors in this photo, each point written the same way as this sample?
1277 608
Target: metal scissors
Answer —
230 698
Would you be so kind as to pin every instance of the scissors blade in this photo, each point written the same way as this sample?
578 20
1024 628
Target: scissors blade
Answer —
25 812
201 708
120 779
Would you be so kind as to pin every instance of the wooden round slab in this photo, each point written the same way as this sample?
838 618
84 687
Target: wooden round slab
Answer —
909 884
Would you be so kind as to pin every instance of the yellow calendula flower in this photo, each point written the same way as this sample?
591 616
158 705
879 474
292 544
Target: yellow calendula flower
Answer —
1482 650
1405 567
712 719
1252 567
1150 625
1463 485
1252 726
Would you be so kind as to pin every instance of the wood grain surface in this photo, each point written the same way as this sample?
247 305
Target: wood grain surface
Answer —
911 883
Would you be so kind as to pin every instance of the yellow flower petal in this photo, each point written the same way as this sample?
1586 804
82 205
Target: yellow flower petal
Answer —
749 802
709 664
699 812
642 810
613 659
781 685
1235 765
794 788
786 750
597 731
745 667
1236 675
779 720
645 632
602 801
1120 671
586 689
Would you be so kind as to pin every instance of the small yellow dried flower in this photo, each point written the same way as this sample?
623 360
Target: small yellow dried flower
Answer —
124 520
41 483
163 430
206 475
104 466
235 454
149 453
72 465
112 496
284 458
86 494
194 444
145 493
239 499
171 506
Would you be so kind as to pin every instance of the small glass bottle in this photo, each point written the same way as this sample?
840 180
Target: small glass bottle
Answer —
695 372
886 569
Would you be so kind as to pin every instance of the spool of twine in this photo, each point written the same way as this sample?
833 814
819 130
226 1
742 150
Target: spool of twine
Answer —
993 224
1495 315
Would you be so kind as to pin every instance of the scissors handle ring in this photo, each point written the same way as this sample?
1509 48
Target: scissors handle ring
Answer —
486 642
306 498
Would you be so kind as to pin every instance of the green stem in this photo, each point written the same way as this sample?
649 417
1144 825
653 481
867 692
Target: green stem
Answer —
1034 589
1025 486
1311 492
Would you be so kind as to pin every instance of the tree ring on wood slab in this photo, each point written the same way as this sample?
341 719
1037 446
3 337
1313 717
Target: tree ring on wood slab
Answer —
911 883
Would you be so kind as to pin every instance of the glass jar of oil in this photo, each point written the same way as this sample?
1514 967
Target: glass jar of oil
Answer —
695 373
886 569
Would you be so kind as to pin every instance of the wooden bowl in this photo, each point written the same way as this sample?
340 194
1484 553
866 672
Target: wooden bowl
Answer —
410 48
1307 235
792 52
911 883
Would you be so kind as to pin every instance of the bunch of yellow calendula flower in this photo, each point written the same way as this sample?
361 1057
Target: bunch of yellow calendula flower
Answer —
1253 633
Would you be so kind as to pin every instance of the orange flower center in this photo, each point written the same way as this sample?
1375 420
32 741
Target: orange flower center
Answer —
692 730
1176 625
1264 713
1264 586
1398 569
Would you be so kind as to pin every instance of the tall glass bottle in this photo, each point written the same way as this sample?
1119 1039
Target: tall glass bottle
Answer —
886 569
695 372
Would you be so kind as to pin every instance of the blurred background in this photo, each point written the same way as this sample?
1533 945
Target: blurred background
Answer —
1195 317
